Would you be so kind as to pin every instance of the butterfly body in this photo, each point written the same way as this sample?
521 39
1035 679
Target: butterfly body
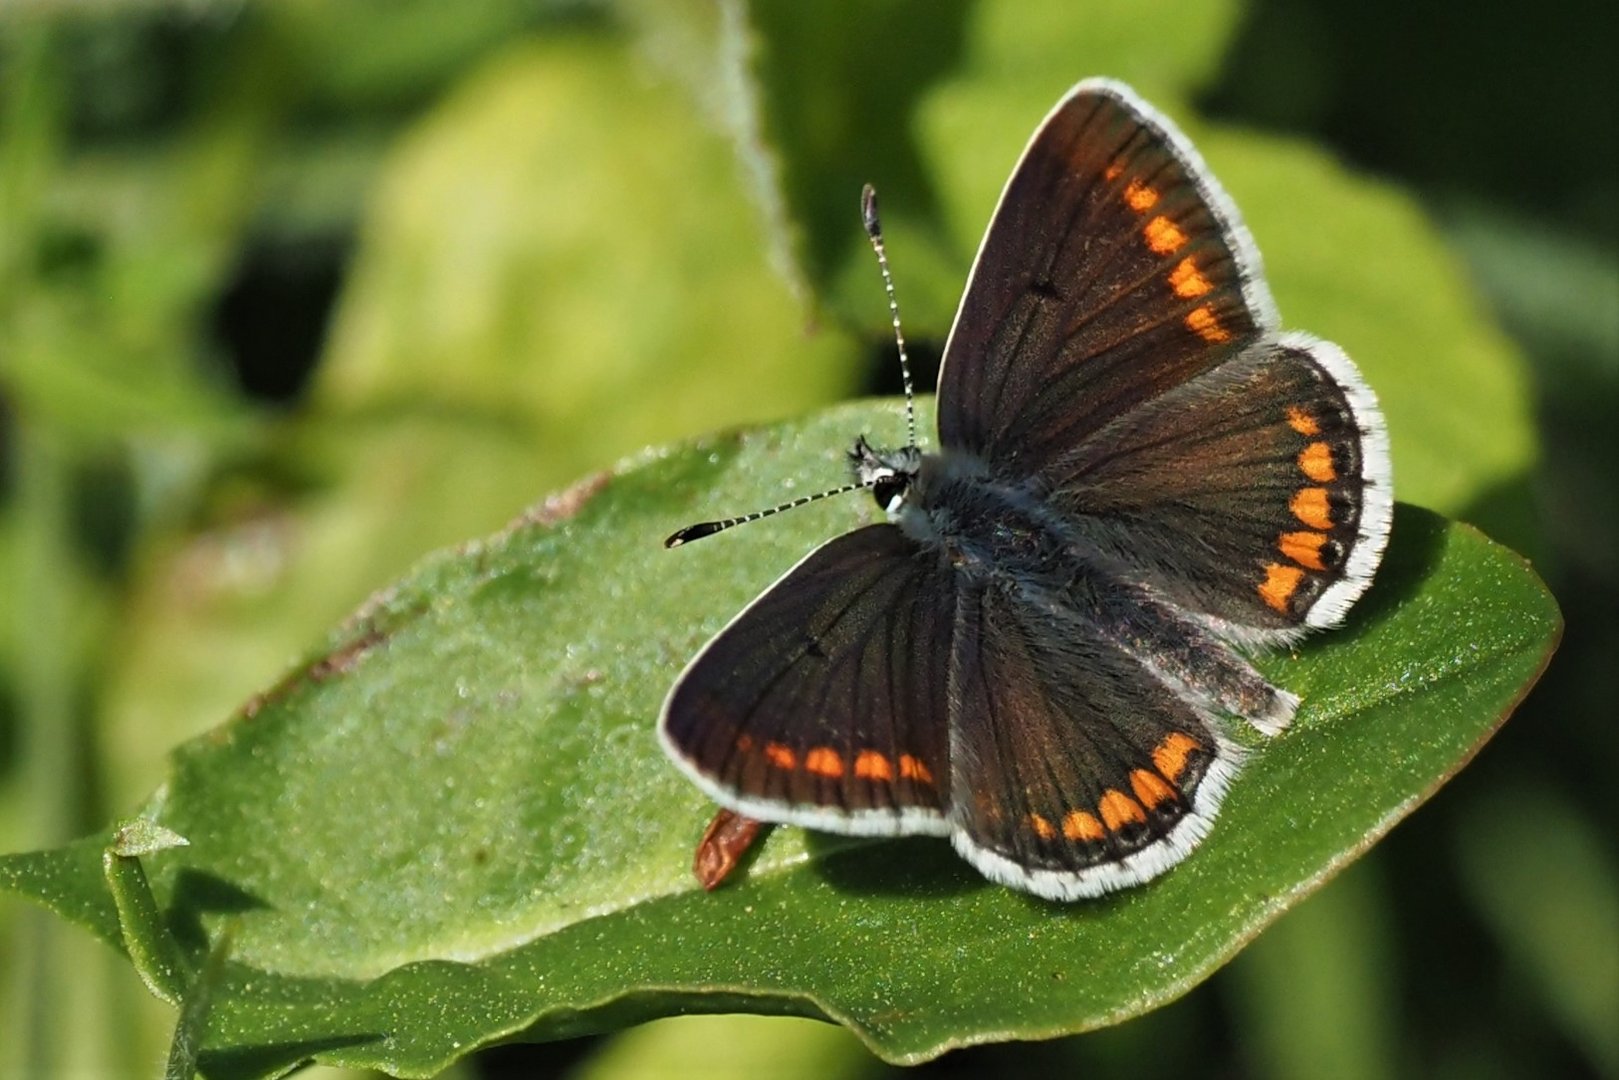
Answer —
1138 477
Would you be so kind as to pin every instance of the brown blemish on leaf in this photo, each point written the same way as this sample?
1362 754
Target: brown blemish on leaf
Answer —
340 661
557 508
343 660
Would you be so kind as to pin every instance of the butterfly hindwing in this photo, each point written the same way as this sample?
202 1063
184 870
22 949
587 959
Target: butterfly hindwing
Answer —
1077 771
1113 270
823 702
1256 494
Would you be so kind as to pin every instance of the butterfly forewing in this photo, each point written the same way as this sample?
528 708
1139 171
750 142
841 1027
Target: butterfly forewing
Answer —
823 702
1113 270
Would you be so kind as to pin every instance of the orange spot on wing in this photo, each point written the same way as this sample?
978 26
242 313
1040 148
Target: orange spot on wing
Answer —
744 743
1187 282
1315 461
1140 197
1114 171
1079 825
1170 755
870 765
1279 585
1309 505
824 761
782 757
1042 828
1304 548
1150 788
1119 810
1302 422
1205 324
1162 235
913 769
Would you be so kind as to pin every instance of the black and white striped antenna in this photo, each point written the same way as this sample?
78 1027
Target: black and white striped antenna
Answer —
874 232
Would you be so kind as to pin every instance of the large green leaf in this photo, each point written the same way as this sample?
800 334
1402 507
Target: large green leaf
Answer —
453 824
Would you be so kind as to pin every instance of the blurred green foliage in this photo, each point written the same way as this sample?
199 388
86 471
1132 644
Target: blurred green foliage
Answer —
293 293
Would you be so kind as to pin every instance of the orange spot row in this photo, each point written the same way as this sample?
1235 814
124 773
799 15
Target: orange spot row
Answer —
825 761
870 765
1116 809
1203 322
1187 282
1079 825
913 769
1309 505
1279 585
1304 548
1150 788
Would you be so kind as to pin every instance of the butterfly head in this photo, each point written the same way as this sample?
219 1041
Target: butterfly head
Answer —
887 474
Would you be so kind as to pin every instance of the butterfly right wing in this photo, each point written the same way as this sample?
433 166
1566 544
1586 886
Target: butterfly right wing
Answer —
1257 494
1078 771
1116 347
1113 270
823 703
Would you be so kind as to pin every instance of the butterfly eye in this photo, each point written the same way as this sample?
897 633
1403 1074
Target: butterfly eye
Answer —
890 492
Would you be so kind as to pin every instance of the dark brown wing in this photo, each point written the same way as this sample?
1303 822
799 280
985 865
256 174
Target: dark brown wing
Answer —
1113 270
1257 494
823 703
1076 770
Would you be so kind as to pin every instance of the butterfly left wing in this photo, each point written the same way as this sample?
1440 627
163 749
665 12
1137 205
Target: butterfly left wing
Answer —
823 703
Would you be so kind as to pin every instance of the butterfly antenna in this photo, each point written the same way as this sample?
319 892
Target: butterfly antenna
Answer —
709 528
874 230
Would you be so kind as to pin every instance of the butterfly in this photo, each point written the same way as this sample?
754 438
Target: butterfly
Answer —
1139 479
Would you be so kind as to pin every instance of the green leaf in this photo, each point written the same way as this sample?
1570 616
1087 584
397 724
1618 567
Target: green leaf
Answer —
192 1026
935 125
453 824
150 946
